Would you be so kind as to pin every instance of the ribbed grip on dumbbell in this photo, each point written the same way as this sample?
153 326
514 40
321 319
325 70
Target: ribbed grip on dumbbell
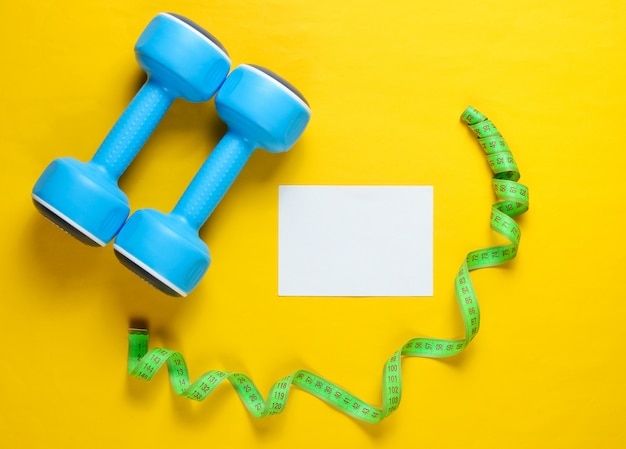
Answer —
213 179
133 128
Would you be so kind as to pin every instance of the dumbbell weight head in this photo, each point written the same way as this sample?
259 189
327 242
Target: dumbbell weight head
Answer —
182 60
184 57
262 111
82 200
163 250
261 105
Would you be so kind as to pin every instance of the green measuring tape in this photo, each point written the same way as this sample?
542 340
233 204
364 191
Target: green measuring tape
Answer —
512 200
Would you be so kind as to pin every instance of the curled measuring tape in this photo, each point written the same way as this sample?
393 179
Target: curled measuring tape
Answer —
512 200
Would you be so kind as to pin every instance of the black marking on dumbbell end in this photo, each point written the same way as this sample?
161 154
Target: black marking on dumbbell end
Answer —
64 225
199 29
282 81
143 274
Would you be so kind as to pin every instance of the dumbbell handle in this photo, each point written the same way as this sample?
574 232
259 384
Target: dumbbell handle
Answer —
133 128
214 178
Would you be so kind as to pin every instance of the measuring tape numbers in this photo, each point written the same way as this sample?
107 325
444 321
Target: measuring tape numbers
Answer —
512 200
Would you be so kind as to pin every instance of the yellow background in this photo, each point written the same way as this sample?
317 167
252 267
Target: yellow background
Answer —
387 82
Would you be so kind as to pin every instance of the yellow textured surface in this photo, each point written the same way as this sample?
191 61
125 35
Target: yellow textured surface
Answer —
387 82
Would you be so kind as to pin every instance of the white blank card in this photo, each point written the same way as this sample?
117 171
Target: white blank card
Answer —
355 241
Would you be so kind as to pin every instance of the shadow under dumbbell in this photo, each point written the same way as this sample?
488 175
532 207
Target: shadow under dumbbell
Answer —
58 261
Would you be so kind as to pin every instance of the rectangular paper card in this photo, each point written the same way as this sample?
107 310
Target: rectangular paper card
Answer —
355 241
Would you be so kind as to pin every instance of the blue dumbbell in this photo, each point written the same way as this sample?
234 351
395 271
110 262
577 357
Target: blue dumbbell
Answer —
83 198
262 110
